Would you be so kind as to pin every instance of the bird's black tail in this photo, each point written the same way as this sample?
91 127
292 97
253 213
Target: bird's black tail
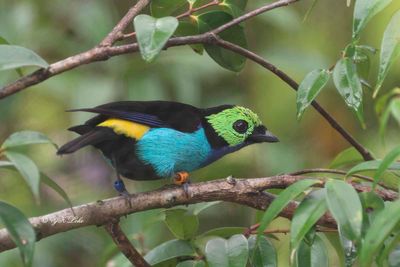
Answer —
89 136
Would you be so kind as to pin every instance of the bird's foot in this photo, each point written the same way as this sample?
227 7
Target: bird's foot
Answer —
182 179
120 187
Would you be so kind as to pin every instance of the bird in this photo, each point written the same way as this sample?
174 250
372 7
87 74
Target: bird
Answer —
149 140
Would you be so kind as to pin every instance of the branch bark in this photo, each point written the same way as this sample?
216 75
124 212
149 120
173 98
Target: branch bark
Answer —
242 191
117 31
126 247
248 192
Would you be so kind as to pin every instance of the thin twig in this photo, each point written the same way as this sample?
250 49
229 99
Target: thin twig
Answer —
334 171
294 85
182 15
124 245
252 14
192 10
252 230
117 31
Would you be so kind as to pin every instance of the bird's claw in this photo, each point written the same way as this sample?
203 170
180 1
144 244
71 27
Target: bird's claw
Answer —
120 187
230 180
182 179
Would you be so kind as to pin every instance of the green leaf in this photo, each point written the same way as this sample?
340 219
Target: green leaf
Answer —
263 253
371 165
282 200
383 120
18 70
163 8
391 246
189 27
345 206
309 88
366 48
384 223
334 241
371 200
169 250
386 163
364 10
348 84
181 224
382 101
20 230
28 170
53 185
395 109
233 252
3 41
235 34
363 63
26 138
191 264
152 34
390 50
346 157
234 7
372 204
224 232
306 215
12 57
314 255
200 207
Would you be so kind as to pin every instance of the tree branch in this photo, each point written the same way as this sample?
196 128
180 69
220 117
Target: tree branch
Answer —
122 241
253 13
256 58
104 52
248 192
242 191
340 172
117 32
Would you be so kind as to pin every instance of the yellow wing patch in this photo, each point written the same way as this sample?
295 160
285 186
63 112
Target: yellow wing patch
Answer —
127 128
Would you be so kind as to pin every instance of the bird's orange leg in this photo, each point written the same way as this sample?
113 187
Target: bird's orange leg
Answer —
181 178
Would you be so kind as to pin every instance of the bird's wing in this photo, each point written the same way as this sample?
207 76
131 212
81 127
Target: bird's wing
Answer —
158 114
142 118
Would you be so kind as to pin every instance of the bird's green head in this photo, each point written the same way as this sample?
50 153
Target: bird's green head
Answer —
238 125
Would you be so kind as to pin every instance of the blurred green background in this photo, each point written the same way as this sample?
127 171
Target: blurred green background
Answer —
57 29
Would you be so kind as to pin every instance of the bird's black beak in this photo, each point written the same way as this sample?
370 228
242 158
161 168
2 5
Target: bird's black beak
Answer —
260 135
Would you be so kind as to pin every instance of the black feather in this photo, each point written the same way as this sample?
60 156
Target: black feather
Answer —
175 115
81 129
92 137
120 149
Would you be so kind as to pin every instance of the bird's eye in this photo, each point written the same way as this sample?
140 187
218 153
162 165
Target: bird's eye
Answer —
240 126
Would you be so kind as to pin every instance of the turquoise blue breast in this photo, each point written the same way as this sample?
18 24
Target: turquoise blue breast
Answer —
169 151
